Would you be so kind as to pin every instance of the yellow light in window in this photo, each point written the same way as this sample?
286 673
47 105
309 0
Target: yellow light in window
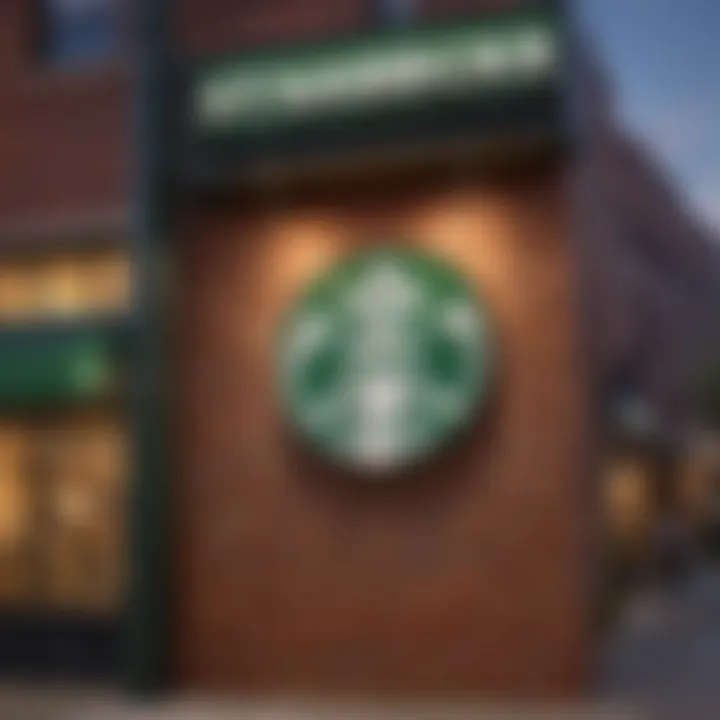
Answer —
67 285
15 287
14 505
106 283
57 288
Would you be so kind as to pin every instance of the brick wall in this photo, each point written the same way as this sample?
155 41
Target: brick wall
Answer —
650 270
64 145
208 25
220 25
470 575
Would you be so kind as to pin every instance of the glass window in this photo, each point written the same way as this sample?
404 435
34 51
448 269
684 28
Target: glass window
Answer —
82 470
396 13
79 32
15 515
62 514
64 286
626 497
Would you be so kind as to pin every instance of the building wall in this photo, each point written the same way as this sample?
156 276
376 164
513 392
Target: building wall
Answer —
468 575
64 471
226 26
670 269
650 268
65 140
249 502
66 145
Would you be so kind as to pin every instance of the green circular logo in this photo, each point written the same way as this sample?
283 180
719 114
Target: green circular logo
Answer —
385 359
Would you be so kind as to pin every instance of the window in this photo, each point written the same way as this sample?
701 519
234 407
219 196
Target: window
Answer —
75 33
64 286
396 13
62 513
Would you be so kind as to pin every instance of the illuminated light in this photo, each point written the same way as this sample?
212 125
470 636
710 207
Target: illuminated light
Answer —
75 506
536 49
390 72
296 91
298 249
375 393
216 101
468 230
14 500
491 60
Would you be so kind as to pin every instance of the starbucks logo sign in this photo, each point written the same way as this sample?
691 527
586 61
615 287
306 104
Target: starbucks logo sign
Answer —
385 359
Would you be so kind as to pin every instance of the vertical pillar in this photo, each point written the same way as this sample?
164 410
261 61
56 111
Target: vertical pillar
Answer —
147 627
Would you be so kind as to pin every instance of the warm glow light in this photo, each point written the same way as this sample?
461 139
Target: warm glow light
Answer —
473 232
78 284
13 495
301 248
626 497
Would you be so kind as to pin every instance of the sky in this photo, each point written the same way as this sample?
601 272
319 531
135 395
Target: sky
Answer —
663 57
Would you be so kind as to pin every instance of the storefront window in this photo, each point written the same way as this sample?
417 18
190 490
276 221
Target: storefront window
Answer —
626 499
64 286
62 514
15 515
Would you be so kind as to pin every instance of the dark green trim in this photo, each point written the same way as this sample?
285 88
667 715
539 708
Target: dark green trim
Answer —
111 326
47 345
147 626
483 127
40 371
447 50
540 9
211 156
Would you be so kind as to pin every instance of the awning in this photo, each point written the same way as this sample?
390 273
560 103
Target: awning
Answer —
477 80
46 370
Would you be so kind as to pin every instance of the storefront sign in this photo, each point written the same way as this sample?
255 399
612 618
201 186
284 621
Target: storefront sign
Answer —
401 88
430 66
385 359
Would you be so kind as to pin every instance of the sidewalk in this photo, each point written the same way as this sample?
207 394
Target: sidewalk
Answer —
665 652
32 703
663 661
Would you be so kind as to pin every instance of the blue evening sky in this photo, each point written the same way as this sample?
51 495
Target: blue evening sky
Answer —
664 59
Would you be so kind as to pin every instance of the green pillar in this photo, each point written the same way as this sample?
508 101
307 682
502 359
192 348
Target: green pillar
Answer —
147 629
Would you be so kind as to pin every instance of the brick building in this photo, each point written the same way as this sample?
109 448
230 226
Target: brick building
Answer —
654 272
287 575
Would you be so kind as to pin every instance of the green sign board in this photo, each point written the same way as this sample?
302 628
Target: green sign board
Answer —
473 80
47 371
391 70
385 359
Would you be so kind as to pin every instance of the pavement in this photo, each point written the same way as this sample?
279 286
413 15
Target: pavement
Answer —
664 654
662 662
32 703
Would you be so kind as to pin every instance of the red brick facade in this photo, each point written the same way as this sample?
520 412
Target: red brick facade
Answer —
650 268
65 141
221 25
66 144
471 575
